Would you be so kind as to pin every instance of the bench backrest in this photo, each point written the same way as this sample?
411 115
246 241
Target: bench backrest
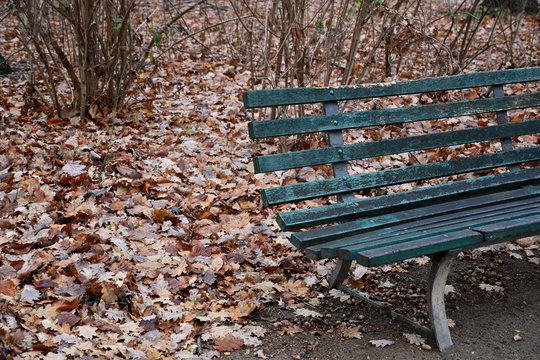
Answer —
338 153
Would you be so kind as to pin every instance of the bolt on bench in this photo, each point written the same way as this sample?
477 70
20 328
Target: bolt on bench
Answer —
437 220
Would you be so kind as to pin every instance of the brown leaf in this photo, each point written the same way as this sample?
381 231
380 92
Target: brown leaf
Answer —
6 223
67 318
351 332
7 287
105 326
30 185
118 205
228 343
159 215
288 330
44 284
150 324
243 309
69 305
201 250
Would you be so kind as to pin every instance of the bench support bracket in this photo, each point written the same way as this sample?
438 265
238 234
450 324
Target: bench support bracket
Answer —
435 293
340 273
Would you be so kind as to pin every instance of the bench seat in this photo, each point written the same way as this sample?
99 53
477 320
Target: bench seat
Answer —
427 230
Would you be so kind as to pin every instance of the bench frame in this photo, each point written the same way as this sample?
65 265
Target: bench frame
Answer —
441 261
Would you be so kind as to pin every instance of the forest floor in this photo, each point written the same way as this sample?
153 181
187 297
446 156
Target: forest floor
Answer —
142 236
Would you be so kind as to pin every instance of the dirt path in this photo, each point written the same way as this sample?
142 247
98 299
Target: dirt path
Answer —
488 324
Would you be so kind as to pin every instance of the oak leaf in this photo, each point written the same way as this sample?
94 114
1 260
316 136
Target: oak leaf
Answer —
381 343
415 339
67 318
7 287
243 309
74 168
352 332
228 343
289 330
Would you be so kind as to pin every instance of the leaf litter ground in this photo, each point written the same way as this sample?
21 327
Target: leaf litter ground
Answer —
143 237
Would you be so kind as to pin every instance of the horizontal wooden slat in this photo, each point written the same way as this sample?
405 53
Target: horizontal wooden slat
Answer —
509 229
406 218
275 97
450 221
428 227
426 224
400 201
319 123
302 191
342 153
427 246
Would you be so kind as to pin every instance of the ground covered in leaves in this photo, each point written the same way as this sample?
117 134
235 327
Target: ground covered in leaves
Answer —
142 236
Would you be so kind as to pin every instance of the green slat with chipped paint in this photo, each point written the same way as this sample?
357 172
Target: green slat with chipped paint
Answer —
387 234
319 123
302 191
503 230
400 201
426 246
275 97
314 237
342 153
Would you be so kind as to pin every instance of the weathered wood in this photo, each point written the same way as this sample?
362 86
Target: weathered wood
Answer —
425 246
345 184
425 226
476 236
336 233
405 200
340 153
321 123
361 244
275 97
512 228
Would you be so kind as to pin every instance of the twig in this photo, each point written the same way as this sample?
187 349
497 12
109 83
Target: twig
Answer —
198 32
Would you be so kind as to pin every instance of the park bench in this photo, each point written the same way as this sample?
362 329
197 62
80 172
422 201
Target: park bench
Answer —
497 201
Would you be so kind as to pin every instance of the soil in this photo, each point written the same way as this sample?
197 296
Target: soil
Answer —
488 324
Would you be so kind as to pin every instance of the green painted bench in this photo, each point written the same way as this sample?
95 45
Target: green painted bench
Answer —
438 220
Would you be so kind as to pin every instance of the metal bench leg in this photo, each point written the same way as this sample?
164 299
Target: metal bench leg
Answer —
340 273
437 312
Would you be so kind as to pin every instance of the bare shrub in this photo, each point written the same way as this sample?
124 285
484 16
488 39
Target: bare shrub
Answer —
94 48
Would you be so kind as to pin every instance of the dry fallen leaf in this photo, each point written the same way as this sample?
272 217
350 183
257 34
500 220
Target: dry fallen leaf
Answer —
30 294
488 287
7 287
415 339
381 343
307 313
288 330
74 168
243 309
352 332
228 343
338 294
67 318
448 289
